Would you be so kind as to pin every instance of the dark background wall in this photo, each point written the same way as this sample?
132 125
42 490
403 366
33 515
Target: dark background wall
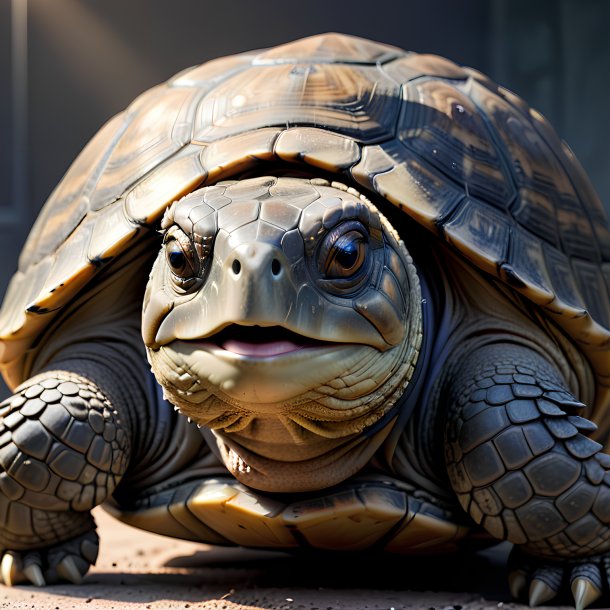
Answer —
68 65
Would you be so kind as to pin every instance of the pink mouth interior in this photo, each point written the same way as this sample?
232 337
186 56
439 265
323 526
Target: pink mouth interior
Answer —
261 342
273 348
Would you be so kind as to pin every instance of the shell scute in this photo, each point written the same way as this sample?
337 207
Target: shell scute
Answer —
591 200
317 147
227 157
409 182
375 160
329 48
161 127
414 65
70 271
580 182
562 280
148 199
536 211
356 101
591 285
112 230
206 76
526 262
575 228
483 79
537 170
39 277
481 233
442 125
69 202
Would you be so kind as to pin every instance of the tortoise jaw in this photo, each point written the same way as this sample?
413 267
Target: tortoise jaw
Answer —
262 342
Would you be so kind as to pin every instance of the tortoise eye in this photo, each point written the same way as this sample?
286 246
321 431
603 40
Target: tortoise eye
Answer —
177 260
345 254
181 258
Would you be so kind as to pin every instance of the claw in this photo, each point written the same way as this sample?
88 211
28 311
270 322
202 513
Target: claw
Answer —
89 551
34 575
540 593
584 592
10 568
67 570
517 583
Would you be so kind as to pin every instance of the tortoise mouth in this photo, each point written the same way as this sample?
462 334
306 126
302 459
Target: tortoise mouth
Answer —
262 341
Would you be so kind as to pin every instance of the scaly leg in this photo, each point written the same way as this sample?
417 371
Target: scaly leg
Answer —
63 449
519 459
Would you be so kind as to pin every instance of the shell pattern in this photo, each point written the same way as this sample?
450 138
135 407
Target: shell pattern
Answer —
464 157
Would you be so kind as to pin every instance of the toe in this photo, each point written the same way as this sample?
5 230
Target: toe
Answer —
33 573
90 547
545 583
11 569
585 593
517 583
586 584
540 593
67 570
32 569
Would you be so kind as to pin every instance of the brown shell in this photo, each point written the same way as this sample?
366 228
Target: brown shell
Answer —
467 159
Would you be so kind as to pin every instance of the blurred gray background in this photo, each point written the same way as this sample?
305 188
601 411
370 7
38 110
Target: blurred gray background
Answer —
66 66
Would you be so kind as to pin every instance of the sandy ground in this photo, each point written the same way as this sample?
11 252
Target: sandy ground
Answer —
140 570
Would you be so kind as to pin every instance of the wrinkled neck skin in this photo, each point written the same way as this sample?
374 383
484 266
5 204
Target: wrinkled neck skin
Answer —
284 315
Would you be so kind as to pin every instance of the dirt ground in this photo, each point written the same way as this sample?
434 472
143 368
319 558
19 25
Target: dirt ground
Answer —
140 570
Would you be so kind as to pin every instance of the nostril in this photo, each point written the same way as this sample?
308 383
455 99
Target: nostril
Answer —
276 266
236 266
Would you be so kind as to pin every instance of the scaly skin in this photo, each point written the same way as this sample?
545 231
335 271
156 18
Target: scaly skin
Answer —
65 444
521 464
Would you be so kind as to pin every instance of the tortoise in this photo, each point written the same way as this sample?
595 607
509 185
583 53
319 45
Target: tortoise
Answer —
373 290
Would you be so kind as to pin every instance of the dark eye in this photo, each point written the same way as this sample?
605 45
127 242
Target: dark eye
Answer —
177 260
181 258
346 255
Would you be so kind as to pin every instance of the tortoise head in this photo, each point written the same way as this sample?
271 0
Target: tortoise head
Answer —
282 298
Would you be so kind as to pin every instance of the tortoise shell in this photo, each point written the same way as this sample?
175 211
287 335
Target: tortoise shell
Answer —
464 157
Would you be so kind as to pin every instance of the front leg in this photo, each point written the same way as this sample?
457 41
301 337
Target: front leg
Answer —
519 459
63 449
